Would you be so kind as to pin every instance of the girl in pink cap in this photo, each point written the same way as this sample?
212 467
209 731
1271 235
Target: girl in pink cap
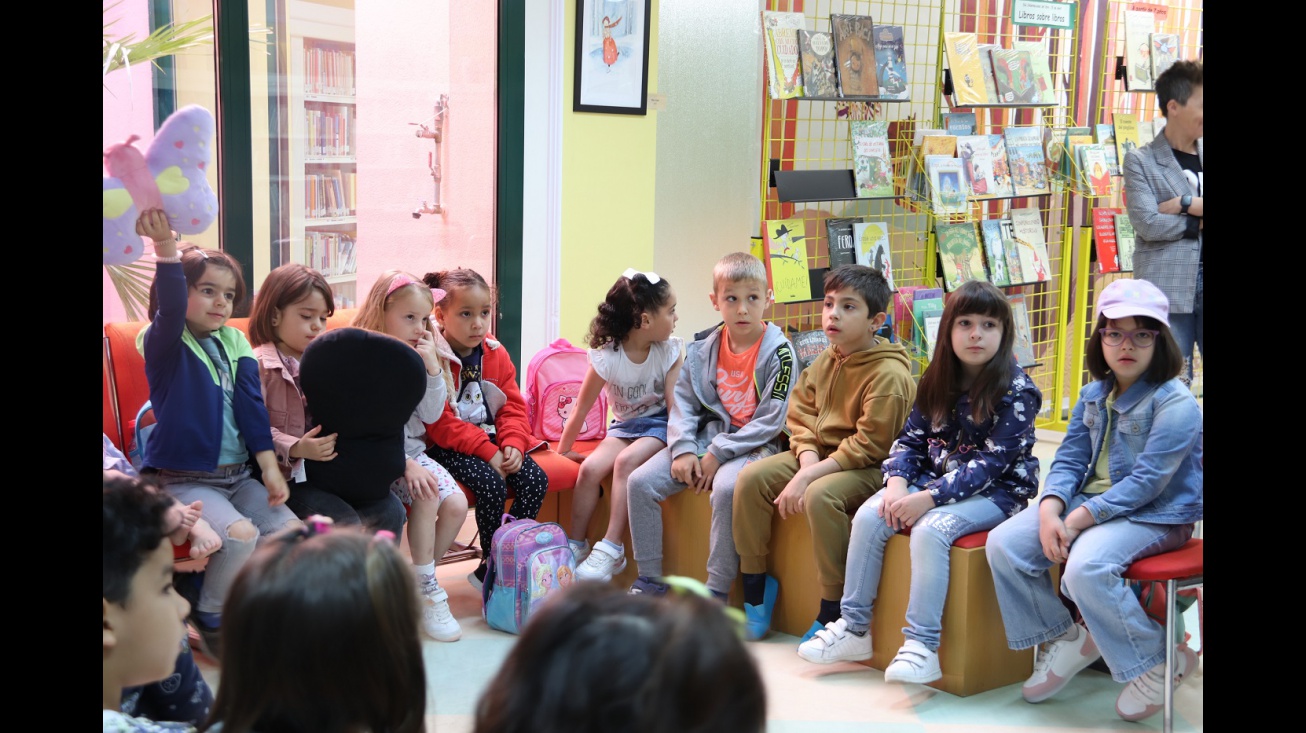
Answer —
1125 484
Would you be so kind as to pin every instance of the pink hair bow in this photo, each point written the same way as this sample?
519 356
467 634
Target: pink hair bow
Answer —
437 294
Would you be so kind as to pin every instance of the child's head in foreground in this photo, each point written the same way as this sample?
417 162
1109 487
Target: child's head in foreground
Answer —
144 617
320 633
740 294
595 659
856 297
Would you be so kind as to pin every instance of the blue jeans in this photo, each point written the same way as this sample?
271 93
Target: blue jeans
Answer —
1130 642
931 543
1187 330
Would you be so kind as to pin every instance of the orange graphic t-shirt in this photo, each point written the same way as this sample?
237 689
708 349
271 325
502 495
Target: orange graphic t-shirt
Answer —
734 381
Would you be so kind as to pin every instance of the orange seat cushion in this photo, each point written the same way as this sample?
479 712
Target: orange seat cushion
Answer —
562 472
1184 562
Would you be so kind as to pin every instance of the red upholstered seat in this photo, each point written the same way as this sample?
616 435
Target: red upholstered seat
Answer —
562 472
1184 562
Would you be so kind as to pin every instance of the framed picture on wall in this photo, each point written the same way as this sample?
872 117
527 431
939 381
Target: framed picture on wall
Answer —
611 57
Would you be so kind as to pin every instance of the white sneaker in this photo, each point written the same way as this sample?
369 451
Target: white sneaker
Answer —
1057 662
600 565
914 663
437 620
835 643
1144 696
580 549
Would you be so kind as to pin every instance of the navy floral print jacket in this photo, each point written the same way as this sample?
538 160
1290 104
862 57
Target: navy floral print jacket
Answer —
961 458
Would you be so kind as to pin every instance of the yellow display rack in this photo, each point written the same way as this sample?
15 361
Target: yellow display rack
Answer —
1185 20
806 135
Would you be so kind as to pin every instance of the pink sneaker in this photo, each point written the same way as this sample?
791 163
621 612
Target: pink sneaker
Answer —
1057 662
1144 696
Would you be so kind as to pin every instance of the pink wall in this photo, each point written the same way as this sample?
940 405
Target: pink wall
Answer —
406 59
128 110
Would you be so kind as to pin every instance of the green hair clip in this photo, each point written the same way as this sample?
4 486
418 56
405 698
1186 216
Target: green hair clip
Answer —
683 586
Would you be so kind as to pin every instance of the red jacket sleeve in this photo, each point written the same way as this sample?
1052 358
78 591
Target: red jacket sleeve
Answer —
511 423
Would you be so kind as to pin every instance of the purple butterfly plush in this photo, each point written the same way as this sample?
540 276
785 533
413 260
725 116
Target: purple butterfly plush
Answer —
171 176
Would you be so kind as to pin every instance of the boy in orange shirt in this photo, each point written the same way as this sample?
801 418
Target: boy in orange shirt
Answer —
729 409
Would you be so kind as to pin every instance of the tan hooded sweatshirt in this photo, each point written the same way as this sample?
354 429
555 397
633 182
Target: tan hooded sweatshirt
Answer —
852 408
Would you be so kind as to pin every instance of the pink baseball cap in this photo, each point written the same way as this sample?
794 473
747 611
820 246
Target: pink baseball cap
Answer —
1125 298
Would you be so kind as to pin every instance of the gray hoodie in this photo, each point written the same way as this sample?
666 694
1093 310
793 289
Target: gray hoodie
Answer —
699 422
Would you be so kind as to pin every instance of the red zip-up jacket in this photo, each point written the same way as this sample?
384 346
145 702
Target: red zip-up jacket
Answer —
511 425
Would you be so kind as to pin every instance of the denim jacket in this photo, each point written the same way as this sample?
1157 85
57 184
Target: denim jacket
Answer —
1156 453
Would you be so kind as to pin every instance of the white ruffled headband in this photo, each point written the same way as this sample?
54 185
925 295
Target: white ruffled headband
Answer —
631 272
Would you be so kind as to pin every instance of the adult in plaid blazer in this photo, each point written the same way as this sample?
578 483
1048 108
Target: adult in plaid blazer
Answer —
1163 193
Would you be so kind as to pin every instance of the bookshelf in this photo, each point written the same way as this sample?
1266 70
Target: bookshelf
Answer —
320 187
1111 96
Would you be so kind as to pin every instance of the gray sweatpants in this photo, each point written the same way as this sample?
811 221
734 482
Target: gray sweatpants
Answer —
651 484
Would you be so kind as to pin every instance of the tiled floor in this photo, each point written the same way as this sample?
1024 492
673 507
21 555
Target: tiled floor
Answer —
804 697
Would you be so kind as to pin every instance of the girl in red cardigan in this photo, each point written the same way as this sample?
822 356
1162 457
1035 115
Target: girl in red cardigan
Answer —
483 436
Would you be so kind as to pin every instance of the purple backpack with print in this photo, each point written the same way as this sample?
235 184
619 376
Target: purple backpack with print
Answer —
529 561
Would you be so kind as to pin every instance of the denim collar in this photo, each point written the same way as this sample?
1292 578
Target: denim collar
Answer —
1140 390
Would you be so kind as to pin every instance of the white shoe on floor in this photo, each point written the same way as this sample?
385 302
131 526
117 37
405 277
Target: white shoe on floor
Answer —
1144 695
1057 661
835 643
600 565
437 620
914 663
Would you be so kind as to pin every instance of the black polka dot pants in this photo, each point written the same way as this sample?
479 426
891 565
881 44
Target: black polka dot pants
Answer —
529 485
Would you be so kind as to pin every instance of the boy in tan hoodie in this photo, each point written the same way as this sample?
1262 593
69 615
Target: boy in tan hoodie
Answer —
844 414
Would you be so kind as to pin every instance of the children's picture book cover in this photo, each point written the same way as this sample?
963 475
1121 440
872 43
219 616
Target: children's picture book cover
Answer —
986 63
1105 135
1165 51
1001 170
1015 74
1104 236
1093 167
948 185
927 308
1027 229
781 30
872 168
902 306
1139 26
839 232
1025 158
891 62
1023 344
787 260
1126 135
1125 242
871 241
809 344
977 164
854 55
991 231
963 259
959 123
817 49
1041 68
968 86
1011 250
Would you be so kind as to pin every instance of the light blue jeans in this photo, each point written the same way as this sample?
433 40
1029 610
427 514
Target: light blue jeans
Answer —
1130 642
931 543
1187 330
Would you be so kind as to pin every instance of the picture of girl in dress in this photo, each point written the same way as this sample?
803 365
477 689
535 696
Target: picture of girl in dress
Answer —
609 45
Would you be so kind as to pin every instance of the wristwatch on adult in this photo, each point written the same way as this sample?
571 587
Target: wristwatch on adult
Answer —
1185 202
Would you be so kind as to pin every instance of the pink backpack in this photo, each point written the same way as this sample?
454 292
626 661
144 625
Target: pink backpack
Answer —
552 384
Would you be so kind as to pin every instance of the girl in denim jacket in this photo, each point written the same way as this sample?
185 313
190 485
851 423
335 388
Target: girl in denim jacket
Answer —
1125 484
963 463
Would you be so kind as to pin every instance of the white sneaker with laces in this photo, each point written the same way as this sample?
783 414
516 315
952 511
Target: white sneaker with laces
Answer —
1057 661
914 663
437 620
600 565
835 643
1144 695
580 549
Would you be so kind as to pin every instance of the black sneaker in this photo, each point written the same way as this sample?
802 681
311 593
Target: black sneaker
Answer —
645 585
